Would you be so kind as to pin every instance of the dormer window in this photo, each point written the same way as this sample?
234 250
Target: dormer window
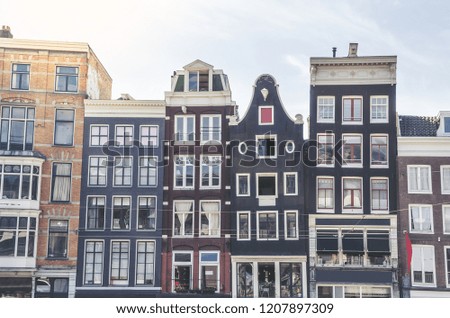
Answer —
199 81
447 125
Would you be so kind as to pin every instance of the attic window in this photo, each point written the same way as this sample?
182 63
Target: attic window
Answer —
447 125
199 81
266 115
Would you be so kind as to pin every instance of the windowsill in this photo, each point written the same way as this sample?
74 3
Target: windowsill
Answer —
381 121
267 239
331 121
321 165
290 194
66 92
57 258
120 230
345 166
420 192
379 166
20 89
60 202
352 123
421 232
96 186
146 230
266 157
242 195
184 188
64 146
423 285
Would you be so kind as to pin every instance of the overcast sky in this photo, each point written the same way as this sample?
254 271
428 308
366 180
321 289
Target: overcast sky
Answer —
141 42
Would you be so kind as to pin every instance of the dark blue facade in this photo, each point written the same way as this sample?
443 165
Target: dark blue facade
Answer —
268 220
122 257
351 178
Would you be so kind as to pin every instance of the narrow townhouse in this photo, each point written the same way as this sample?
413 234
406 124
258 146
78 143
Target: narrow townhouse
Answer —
43 85
269 225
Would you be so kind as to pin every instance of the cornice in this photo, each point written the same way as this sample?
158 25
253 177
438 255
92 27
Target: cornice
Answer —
423 146
354 70
125 108
44 45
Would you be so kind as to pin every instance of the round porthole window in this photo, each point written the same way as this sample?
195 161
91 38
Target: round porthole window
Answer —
242 148
290 146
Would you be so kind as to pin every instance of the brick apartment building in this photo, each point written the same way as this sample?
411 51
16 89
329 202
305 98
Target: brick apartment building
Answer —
43 85
424 204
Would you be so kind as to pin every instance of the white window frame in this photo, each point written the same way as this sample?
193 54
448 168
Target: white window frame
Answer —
249 228
418 175
66 235
247 176
184 134
353 122
325 210
447 267
445 191
333 156
138 206
268 136
286 237
185 213
126 137
98 168
384 165
321 105
420 207
102 228
20 74
260 108
190 263
210 263
267 174
209 166
206 136
375 104
142 144
258 213
197 76
417 246
129 213
445 207
136 262
102 262
99 136
385 211
285 175
67 75
59 121
119 282
353 210
219 214
353 164
56 177
123 175
141 167
191 158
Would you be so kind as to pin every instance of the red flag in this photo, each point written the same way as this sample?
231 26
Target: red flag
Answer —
408 250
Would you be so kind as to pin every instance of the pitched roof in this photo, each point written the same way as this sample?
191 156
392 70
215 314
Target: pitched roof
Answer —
421 126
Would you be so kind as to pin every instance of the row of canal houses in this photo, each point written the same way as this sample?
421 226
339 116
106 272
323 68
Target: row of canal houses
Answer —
187 197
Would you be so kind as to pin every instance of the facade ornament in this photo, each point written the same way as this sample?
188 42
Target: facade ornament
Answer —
265 93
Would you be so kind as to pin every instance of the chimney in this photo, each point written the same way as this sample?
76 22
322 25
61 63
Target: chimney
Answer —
353 50
334 51
5 32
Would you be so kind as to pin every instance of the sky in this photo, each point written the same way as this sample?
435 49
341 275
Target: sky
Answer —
141 42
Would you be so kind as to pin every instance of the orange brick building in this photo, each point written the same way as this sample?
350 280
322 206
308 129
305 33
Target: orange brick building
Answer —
43 85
